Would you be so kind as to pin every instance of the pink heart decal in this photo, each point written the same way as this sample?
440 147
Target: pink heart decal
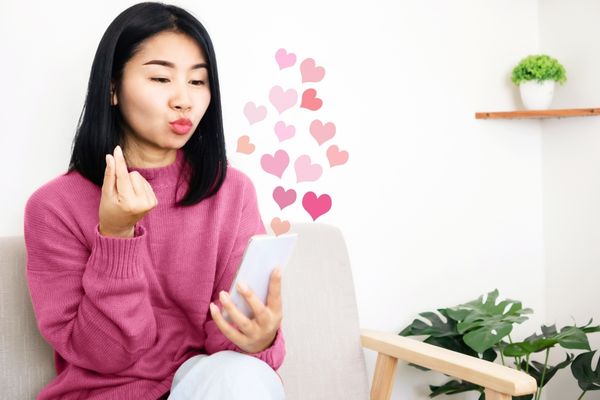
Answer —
305 171
285 59
284 132
311 73
254 114
282 100
283 197
336 157
280 226
244 146
320 132
316 206
275 164
310 100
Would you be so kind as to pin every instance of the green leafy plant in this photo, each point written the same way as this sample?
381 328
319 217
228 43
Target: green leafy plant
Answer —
587 379
478 328
539 67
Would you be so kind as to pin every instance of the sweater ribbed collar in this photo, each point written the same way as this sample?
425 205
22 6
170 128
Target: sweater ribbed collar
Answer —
163 176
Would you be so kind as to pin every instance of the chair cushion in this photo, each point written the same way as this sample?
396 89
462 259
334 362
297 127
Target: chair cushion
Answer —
26 360
324 357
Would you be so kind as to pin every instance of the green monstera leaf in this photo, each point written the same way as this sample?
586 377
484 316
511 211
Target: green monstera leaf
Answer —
436 326
536 370
443 334
485 323
587 378
455 386
569 337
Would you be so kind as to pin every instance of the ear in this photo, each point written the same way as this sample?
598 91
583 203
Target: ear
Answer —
113 95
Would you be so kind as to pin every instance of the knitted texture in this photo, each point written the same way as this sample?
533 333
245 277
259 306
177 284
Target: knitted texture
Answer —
122 314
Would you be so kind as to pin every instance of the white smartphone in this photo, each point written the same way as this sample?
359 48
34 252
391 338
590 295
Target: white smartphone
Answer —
262 255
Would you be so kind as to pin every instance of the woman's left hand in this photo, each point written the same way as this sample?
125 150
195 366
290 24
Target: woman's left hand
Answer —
257 334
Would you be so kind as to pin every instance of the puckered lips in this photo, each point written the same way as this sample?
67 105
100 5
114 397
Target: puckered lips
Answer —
181 126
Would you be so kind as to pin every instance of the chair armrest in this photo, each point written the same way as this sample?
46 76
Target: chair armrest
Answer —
494 377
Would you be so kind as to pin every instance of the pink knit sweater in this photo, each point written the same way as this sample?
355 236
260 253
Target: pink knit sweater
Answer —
122 314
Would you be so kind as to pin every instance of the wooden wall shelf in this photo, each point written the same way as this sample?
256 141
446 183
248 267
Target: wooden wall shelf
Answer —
557 113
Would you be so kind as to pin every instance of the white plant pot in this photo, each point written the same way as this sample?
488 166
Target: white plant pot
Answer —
537 95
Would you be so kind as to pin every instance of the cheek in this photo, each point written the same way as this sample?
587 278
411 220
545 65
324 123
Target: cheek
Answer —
144 101
141 111
203 99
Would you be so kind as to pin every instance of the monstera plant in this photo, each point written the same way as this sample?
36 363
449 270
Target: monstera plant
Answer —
482 328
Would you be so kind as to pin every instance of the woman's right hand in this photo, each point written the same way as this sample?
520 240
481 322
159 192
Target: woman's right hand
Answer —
126 197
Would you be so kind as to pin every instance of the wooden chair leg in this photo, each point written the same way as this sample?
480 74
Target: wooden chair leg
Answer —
492 395
383 378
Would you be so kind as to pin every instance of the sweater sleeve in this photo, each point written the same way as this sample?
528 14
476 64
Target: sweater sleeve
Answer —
250 224
92 305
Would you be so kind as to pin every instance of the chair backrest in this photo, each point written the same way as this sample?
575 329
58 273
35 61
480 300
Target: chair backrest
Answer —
26 360
324 357
320 322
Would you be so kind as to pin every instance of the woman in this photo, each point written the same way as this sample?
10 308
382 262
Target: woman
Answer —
128 249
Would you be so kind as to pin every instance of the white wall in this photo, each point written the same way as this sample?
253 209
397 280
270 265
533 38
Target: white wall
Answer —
437 207
571 179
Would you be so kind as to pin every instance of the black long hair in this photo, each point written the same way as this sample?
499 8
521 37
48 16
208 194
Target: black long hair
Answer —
99 128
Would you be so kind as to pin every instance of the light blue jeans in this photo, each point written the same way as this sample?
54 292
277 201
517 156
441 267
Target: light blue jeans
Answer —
226 375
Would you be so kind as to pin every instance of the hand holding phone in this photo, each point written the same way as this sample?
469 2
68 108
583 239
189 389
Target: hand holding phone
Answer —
262 255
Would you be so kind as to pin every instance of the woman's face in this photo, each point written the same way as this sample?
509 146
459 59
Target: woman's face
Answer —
165 81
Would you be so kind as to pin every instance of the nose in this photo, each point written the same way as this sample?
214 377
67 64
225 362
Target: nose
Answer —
181 99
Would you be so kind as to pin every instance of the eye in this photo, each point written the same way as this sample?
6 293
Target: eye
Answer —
196 83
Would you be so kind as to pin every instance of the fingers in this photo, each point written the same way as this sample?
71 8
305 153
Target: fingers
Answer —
137 183
261 312
236 316
249 335
108 185
274 295
143 189
150 194
228 331
129 185
124 186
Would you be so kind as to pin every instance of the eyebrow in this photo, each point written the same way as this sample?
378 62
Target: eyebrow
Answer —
171 65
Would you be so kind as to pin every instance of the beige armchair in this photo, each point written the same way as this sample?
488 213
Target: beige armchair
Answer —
324 343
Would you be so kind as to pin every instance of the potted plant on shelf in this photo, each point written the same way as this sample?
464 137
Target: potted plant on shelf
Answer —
536 76
480 328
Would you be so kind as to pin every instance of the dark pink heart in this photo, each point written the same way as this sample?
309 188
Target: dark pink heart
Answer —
283 197
316 206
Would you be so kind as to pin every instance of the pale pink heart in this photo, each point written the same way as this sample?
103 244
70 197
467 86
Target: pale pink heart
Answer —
310 72
320 132
316 206
336 157
282 100
244 145
275 164
285 59
283 197
284 132
305 171
254 114
280 226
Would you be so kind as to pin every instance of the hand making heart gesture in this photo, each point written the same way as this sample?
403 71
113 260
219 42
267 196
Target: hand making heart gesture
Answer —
126 197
